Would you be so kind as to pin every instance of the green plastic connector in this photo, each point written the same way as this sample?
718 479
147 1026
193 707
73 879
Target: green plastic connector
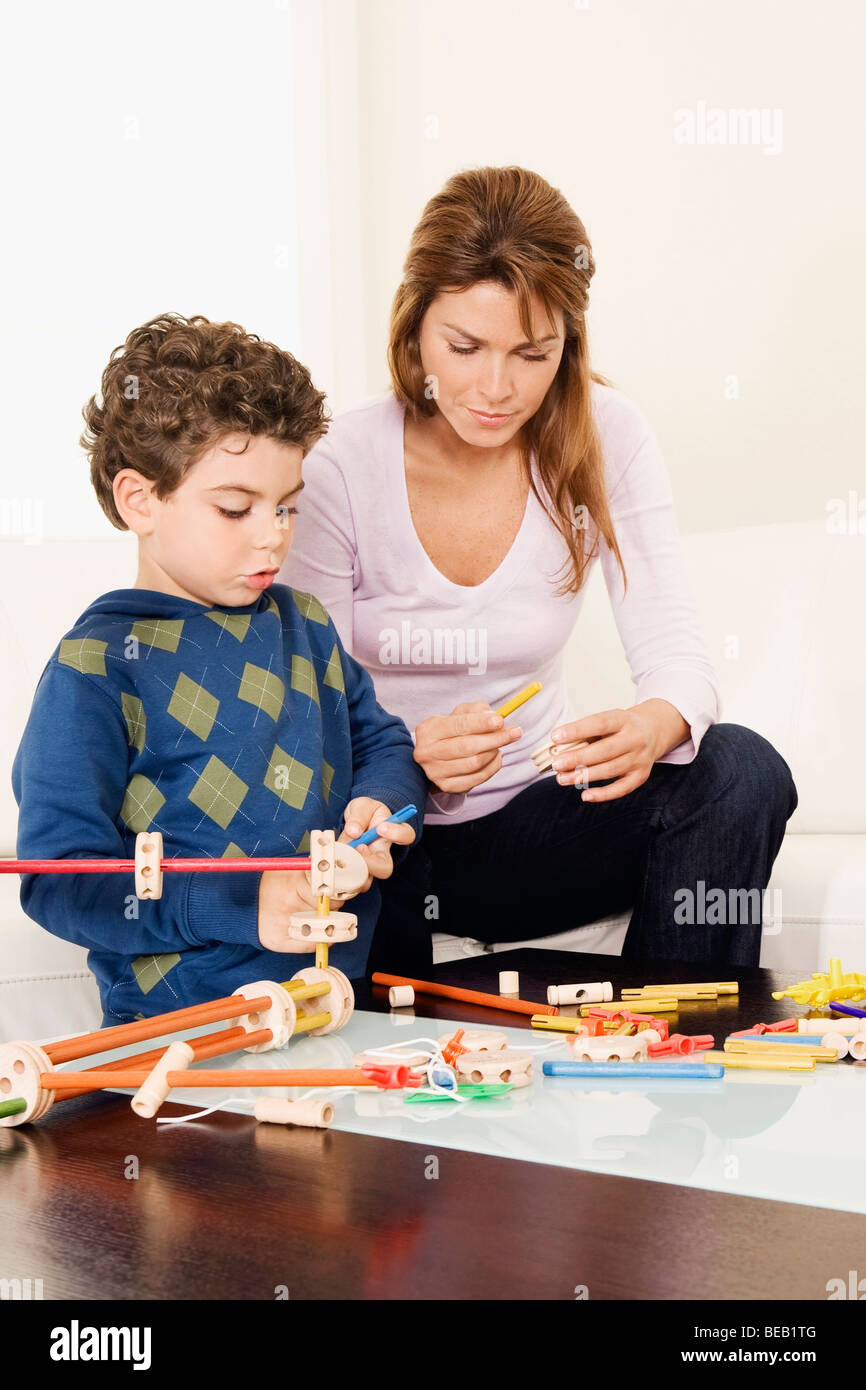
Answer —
483 1090
12 1107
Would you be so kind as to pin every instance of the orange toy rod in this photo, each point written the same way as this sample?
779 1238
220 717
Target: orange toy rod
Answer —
191 1080
209 1045
88 1044
467 996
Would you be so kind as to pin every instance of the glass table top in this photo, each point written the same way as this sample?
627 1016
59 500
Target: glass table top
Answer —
784 1136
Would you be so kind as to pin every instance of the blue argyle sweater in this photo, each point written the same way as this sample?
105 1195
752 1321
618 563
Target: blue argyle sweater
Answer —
231 732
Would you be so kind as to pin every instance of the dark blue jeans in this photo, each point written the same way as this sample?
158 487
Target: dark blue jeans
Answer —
548 862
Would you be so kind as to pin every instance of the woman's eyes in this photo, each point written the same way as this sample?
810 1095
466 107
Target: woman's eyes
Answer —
465 351
235 516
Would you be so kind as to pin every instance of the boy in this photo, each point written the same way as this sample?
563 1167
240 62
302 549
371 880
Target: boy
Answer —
205 702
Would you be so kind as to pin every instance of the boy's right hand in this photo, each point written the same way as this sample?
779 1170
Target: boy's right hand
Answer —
462 749
282 892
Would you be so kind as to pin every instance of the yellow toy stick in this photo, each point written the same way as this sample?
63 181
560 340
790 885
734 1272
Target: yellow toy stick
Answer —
520 699
756 1047
751 1062
668 991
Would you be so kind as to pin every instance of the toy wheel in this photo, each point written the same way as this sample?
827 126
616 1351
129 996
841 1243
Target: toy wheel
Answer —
339 1001
21 1065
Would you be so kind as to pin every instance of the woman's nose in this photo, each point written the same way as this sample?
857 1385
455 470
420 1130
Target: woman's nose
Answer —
494 381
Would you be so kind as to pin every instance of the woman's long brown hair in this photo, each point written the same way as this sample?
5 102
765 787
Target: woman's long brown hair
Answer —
510 226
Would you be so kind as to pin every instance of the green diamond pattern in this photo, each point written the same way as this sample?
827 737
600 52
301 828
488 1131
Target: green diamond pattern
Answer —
149 970
304 678
327 779
233 851
262 689
158 632
310 607
334 672
86 655
218 792
238 624
142 803
288 778
136 721
272 608
304 843
193 706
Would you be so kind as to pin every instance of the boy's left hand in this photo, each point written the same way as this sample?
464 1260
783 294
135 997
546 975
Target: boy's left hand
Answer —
360 815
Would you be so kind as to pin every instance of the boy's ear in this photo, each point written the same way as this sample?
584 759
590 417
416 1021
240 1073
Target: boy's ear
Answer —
132 497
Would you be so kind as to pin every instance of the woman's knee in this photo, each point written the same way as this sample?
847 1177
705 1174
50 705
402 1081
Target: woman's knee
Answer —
758 774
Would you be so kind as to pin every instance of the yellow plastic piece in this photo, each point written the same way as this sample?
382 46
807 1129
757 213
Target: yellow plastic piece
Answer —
658 1006
298 990
751 1062
308 1021
555 1024
757 1047
323 909
818 991
520 699
720 987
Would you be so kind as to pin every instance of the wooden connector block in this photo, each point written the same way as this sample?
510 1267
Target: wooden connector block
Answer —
148 865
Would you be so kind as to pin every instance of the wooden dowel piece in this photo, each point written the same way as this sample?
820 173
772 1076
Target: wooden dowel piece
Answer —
466 996
192 1080
89 1044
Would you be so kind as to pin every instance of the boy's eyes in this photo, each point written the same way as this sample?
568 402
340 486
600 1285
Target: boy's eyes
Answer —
235 516
464 351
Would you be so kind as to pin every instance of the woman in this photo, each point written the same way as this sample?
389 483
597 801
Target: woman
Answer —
449 527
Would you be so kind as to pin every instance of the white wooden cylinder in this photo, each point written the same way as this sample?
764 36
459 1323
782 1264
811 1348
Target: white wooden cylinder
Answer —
315 1114
400 995
509 983
151 1094
600 992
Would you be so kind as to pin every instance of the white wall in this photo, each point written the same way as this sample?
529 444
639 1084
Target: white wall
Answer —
713 260
266 162
147 166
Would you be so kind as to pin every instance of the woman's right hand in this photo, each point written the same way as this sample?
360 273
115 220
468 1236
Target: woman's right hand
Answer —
461 750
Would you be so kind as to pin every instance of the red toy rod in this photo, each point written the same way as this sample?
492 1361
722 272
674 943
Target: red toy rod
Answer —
126 866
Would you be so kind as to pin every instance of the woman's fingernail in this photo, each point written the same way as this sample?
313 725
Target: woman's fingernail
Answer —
558 764
516 732
353 829
557 735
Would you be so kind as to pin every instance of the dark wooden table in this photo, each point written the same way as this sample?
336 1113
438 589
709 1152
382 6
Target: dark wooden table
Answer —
226 1209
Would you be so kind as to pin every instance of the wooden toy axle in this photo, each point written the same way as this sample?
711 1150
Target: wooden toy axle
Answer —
231 1007
192 1080
337 870
467 996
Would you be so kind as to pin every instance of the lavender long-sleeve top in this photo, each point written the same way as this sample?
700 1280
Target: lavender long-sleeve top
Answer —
430 644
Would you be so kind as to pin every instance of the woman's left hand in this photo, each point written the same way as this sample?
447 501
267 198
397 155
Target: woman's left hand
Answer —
620 743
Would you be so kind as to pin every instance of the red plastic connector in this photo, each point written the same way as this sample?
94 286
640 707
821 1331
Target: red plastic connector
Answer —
388 1078
785 1025
452 1049
676 1045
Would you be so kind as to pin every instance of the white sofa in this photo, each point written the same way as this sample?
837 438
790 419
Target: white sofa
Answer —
780 612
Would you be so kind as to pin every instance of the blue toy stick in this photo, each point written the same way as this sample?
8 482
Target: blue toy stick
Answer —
373 834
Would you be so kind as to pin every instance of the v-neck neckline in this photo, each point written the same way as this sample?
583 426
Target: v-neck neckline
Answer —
508 566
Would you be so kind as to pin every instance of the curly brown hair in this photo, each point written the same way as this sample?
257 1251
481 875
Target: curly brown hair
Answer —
177 386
